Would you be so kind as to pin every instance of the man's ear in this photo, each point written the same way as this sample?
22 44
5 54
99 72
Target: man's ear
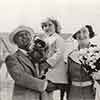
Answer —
15 39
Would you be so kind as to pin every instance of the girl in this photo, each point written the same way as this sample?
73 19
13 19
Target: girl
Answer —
57 72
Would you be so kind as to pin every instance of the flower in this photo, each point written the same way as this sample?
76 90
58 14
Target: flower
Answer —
90 59
93 67
83 51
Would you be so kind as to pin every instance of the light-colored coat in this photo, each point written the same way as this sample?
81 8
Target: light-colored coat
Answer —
27 86
58 71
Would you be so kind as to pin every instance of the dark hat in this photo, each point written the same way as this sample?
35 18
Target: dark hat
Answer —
90 29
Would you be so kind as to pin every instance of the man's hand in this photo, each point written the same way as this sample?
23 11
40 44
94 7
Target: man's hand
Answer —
1 62
51 87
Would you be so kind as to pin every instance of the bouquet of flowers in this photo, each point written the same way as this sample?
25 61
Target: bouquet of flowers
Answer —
90 61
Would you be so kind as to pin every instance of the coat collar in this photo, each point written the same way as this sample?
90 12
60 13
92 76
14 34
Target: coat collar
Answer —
74 55
51 39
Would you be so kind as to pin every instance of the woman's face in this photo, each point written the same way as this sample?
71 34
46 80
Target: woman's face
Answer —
83 37
48 27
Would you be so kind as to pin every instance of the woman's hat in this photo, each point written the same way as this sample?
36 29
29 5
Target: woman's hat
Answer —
19 29
90 29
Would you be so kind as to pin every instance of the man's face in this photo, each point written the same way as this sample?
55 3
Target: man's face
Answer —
23 39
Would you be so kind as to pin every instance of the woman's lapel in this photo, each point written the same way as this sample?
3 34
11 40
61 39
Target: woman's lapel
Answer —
74 55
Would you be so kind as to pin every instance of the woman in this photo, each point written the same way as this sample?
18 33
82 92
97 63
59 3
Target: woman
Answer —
57 72
80 83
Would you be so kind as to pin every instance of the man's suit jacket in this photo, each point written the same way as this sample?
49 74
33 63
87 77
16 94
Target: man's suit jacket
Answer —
58 72
27 86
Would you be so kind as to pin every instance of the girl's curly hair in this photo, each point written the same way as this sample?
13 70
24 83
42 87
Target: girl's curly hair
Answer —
56 24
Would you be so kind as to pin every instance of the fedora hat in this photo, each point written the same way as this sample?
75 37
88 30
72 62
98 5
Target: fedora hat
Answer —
90 30
19 29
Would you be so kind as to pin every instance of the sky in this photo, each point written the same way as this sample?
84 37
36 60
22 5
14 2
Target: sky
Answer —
72 14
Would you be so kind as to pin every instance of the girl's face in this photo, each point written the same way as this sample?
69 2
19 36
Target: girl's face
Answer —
48 27
83 37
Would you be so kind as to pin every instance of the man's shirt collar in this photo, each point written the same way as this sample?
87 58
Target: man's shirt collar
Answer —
24 51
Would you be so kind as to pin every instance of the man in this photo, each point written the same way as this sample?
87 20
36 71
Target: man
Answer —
27 86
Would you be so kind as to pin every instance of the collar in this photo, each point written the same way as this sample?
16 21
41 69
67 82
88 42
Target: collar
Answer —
51 39
51 34
24 51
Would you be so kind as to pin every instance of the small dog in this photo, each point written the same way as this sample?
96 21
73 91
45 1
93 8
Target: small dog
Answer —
38 55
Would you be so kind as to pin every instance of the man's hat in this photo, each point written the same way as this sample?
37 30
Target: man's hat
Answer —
19 29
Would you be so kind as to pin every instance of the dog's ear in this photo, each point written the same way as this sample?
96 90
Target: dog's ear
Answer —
41 43
37 41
